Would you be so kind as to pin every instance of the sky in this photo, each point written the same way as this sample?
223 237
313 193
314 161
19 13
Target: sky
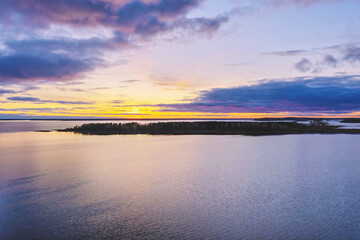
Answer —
179 58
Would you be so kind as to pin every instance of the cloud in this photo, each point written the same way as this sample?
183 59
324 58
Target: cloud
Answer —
304 65
92 13
287 52
352 54
117 101
50 66
131 16
330 60
298 3
38 100
140 17
6 91
67 45
70 89
100 88
202 25
34 58
131 81
60 59
29 88
300 95
31 109
348 53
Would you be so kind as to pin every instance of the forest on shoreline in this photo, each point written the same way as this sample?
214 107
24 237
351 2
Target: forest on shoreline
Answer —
210 128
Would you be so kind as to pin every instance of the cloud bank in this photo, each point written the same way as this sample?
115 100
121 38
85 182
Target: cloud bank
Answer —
34 58
326 95
38 100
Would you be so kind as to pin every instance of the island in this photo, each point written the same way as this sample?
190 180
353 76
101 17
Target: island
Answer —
210 128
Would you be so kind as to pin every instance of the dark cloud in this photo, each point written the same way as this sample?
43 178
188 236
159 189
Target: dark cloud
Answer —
114 14
287 52
38 100
52 59
10 91
29 88
203 25
45 66
31 109
130 21
304 65
131 81
330 60
70 89
348 53
300 95
24 99
6 91
144 18
67 45
352 54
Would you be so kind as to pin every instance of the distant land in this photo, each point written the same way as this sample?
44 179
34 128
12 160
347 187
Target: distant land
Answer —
351 120
300 119
209 128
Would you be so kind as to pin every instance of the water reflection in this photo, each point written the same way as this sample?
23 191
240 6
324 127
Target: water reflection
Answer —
67 186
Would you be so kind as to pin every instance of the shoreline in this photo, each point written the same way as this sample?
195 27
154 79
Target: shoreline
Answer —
208 128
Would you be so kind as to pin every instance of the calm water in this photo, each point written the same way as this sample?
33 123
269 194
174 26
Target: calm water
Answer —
68 186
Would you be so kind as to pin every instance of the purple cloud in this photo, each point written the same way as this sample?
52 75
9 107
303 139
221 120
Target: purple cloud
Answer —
130 21
352 54
287 52
91 13
50 66
140 17
300 3
6 91
330 60
203 25
346 54
304 65
131 81
38 100
305 95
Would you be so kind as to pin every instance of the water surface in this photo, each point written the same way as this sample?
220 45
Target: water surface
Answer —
69 186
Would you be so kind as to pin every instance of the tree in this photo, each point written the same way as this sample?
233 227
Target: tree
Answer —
318 123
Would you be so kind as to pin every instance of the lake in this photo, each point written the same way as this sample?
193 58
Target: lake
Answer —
69 186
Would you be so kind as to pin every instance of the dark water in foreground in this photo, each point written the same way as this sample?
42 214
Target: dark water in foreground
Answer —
67 186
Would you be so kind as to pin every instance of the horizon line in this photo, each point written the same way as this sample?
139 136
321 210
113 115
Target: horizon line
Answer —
165 119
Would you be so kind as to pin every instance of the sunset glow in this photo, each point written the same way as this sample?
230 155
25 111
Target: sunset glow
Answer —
181 59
